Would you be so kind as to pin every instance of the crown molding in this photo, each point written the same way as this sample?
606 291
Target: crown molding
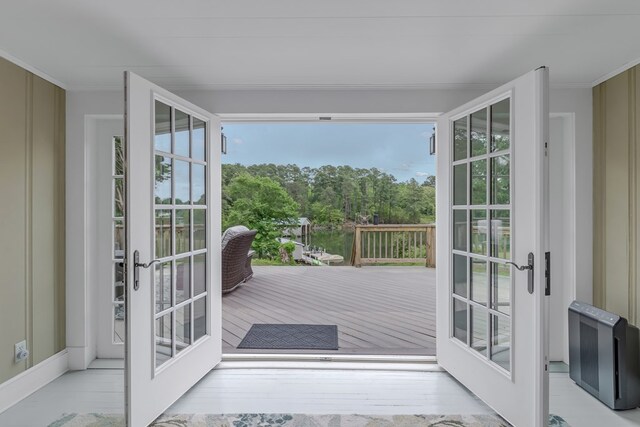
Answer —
615 72
20 63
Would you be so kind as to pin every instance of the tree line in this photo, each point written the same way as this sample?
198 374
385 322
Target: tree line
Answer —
329 196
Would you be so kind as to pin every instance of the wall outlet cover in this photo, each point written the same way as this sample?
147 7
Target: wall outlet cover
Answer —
21 352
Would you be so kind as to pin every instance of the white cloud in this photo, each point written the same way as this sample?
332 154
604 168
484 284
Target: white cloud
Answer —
422 174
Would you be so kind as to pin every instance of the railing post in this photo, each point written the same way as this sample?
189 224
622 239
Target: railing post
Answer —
431 247
357 259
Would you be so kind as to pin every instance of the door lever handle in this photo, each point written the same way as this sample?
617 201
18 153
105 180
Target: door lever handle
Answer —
528 268
521 268
140 264
137 264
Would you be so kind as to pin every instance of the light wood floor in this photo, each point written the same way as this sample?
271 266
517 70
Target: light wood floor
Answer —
378 310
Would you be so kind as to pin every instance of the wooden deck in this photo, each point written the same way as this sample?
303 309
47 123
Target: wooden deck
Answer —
378 310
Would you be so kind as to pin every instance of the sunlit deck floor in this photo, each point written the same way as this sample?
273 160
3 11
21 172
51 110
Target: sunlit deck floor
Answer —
378 310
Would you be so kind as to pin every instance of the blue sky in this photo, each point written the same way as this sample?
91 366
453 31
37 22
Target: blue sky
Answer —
401 149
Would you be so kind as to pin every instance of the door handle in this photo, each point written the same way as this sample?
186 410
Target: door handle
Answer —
529 268
137 264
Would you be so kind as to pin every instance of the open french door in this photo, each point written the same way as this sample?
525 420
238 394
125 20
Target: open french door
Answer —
173 296
492 210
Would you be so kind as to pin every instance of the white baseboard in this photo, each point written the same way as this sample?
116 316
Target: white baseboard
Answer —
17 388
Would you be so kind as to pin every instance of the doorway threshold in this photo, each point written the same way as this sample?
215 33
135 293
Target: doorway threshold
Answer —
330 361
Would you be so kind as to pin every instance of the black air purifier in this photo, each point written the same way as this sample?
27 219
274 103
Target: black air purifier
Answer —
604 355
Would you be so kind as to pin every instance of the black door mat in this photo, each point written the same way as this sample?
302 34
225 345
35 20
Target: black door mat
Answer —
291 337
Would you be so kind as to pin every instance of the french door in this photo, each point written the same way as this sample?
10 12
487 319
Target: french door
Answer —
173 291
492 211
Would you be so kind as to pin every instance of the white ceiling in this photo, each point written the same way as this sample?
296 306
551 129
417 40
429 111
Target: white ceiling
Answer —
192 44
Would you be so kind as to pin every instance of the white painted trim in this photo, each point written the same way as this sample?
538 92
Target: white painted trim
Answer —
17 388
352 366
252 357
31 69
571 264
615 72
340 117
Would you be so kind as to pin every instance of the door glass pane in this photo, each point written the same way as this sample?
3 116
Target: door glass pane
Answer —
460 275
500 125
501 341
199 319
183 327
198 196
460 230
183 231
501 233
460 139
163 279
118 197
479 133
501 287
460 185
479 278
182 183
118 323
118 156
479 231
500 180
198 139
199 274
479 182
199 229
118 239
162 139
460 320
183 279
163 233
479 329
163 339
182 133
118 282
163 180
180 229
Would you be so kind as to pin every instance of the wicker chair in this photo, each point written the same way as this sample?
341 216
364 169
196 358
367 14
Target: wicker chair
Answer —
236 258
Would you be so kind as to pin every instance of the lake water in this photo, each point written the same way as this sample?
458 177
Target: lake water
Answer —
336 242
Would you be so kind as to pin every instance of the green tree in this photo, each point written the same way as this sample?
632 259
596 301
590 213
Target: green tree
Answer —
326 215
261 204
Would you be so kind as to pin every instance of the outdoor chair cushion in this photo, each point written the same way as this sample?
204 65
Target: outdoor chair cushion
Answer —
230 232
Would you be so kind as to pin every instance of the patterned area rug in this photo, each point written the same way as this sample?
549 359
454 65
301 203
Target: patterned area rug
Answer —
298 420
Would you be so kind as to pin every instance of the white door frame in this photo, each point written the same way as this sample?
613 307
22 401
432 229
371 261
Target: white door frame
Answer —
564 287
313 118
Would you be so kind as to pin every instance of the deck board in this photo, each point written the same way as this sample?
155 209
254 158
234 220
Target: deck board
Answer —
378 310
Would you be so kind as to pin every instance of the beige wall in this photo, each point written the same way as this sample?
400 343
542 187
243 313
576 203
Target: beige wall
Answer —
32 287
616 144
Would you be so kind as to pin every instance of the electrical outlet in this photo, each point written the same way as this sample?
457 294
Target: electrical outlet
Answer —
21 352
